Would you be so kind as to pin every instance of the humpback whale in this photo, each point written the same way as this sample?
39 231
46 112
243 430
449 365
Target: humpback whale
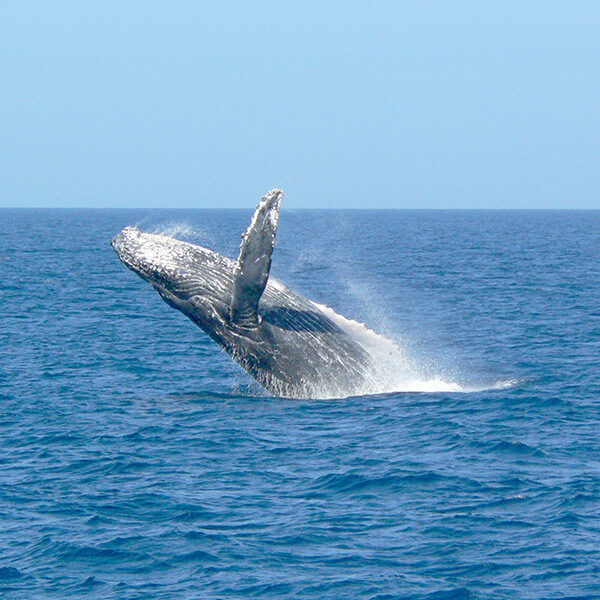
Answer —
292 346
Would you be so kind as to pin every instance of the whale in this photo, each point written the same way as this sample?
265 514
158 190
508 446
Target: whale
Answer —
293 347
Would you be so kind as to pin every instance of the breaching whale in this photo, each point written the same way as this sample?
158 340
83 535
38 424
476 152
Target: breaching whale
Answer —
292 346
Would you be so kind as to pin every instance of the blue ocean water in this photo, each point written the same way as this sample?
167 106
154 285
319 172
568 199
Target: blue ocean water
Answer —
138 461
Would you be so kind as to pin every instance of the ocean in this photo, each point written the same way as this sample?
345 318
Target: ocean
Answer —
137 460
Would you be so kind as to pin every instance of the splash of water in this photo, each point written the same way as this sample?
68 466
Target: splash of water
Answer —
178 230
393 370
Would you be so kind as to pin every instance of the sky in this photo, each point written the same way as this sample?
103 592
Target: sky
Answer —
390 104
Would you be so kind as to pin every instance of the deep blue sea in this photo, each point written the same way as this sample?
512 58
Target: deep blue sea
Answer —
138 461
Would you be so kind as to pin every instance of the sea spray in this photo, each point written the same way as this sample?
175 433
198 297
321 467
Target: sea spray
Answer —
181 230
393 370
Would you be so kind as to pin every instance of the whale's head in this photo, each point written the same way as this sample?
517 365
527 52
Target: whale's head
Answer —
181 272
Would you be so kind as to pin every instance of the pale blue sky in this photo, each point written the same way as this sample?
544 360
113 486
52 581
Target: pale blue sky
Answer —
341 104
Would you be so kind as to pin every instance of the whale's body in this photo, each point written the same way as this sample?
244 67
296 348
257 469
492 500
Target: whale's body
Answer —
288 343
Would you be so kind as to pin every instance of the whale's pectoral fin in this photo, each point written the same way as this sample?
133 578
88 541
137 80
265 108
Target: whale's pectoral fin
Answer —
254 263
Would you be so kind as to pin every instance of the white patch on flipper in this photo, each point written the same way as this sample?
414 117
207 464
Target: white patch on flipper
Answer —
273 213
359 332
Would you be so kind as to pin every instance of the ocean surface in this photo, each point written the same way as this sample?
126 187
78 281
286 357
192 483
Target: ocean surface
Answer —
138 461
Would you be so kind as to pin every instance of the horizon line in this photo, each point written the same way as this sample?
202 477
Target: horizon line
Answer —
292 209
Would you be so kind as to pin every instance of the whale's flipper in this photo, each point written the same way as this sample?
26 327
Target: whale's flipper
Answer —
254 263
